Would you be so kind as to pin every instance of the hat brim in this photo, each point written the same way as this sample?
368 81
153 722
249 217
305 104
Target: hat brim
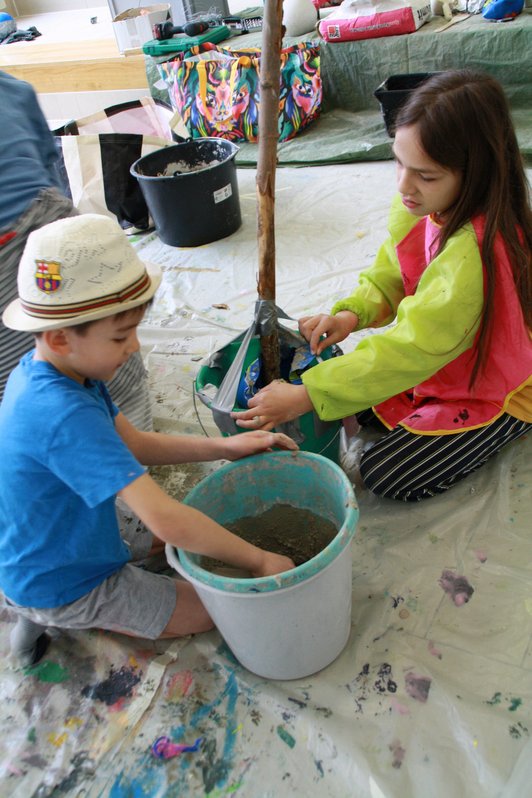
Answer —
16 318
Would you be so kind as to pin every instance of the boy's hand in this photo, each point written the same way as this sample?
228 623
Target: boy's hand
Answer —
272 405
272 564
334 328
256 442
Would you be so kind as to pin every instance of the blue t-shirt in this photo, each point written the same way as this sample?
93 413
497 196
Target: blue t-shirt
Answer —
61 467
29 158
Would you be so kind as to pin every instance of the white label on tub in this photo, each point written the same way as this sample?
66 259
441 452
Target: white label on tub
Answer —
222 194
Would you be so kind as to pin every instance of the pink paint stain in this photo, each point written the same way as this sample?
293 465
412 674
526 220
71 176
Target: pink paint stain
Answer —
434 651
118 706
401 709
179 685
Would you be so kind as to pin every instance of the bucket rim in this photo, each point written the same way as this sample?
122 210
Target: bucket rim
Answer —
172 148
301 573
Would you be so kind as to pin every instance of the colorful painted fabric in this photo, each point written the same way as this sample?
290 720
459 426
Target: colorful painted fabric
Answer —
216 90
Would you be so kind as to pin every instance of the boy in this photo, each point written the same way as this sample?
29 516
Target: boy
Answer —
67 452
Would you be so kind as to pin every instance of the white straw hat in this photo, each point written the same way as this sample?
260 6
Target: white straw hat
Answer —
78 269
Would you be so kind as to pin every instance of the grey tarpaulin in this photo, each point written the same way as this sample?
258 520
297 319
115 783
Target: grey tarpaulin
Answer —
82 722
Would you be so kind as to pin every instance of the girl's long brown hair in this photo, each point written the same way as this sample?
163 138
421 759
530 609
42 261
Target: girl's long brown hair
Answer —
464 123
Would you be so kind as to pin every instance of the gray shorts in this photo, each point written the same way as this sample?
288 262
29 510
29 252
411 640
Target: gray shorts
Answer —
132 601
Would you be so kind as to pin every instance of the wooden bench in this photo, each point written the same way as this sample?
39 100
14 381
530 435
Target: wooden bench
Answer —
74 66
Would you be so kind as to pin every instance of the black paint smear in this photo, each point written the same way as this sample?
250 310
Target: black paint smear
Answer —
118 685
82 767
417 687
300 704
384 683
457 587
214 771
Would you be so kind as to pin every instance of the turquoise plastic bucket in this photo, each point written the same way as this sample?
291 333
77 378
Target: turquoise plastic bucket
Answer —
295 623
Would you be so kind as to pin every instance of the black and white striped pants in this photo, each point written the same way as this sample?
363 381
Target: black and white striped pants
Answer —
129 386
409 467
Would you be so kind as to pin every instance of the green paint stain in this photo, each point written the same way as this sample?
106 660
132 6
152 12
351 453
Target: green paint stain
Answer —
32 736
515 703
285 736
495 699
48 672
226 791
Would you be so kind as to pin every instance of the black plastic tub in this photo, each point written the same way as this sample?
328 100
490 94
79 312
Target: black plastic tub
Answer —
191 191
393 92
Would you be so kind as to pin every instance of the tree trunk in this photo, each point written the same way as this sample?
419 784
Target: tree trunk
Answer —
270 75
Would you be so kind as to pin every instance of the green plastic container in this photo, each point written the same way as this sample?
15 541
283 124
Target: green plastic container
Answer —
180 41
319 437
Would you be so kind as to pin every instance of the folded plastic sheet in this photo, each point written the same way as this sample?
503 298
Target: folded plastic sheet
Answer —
432 695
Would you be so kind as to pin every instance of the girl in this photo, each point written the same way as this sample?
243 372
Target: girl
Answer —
450 383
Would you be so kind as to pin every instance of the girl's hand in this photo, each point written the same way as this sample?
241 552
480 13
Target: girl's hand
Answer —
256 442
272 405
334 328
272 564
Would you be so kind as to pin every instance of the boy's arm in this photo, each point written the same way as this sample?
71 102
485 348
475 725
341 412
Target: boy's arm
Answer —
190 529
155 448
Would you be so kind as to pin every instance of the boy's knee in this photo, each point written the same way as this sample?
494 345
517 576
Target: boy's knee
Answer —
189 615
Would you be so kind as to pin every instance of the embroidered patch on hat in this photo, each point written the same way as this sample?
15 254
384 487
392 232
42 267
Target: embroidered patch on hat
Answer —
48 275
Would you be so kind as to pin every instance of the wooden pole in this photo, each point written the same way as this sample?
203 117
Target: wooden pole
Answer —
270 75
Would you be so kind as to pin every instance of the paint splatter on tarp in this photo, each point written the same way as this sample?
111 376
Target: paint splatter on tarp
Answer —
518 730
178 686
513 702
116 687
47 671
398 753
457 587
434 651
214 769
285 736
417 687
164 748
372 679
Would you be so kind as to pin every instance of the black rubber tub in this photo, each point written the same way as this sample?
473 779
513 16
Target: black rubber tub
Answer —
191 191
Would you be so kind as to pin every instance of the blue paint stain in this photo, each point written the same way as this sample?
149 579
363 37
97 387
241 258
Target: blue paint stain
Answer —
150 777
149 784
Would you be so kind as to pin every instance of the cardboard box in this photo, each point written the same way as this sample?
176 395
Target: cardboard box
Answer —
134 27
